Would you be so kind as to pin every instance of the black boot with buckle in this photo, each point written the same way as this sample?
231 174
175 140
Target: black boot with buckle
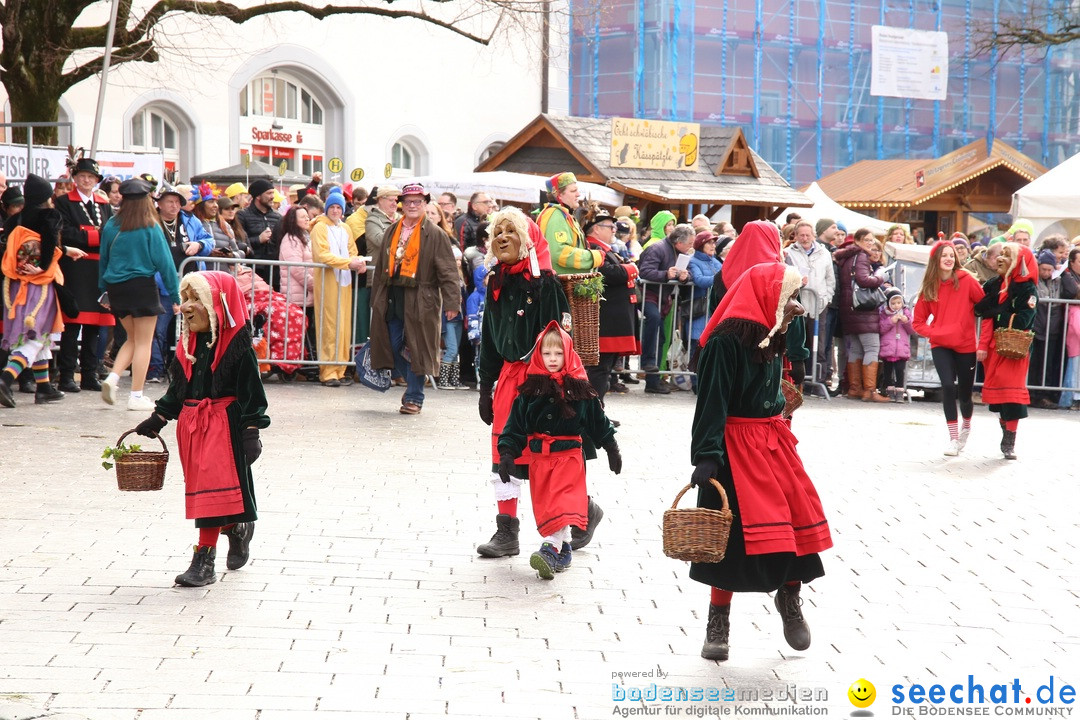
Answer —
1008 444
201 571
716 633
789 605
505 540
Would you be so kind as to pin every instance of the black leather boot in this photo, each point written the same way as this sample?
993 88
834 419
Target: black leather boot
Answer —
88 381
789 605
239 536
580 538
6 398
1008 444
26 383
67 382
201 571
46 392
716 633
505 540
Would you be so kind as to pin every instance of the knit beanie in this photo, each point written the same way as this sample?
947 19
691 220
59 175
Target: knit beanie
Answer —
259 186
1047 257
36 190
822 225
335 198
891 293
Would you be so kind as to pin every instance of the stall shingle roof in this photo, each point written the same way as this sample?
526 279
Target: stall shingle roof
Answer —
896 183
564 143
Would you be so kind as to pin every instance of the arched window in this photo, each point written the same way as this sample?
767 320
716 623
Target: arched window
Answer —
490 150
152 130
401 157
277 95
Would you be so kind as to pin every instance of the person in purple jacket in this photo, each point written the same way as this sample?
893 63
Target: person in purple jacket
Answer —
894 320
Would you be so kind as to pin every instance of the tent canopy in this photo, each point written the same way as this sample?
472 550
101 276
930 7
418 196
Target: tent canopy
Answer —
826 207
1049 201
509 187
238 173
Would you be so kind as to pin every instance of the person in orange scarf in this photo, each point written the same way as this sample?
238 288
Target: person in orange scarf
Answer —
31 305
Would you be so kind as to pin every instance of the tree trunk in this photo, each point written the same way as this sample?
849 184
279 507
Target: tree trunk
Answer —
33 102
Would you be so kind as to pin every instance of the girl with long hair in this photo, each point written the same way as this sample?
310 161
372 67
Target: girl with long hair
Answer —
945 314
133 249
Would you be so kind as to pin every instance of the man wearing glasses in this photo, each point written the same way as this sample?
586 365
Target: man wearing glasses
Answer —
414 284
480 205
448 204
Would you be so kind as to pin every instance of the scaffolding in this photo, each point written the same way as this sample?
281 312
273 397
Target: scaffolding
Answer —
795 75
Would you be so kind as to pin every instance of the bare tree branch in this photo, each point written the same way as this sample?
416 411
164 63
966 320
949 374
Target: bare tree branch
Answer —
143 51
1038 29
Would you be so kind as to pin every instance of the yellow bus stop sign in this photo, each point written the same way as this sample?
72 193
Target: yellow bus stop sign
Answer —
335 165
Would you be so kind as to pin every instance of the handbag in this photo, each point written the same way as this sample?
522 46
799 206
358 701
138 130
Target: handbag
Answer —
367 376
863 299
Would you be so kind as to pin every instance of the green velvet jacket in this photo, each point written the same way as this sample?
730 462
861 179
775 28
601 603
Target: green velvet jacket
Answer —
730 384
511 323
1020 304
539 409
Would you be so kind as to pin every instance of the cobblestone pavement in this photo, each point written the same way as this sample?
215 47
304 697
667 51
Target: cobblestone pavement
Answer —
364 598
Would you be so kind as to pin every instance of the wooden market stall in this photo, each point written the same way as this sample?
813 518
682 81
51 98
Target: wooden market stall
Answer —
684 167
935 195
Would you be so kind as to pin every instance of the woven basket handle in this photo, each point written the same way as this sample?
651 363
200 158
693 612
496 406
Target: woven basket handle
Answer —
121 440
719 489
1011 318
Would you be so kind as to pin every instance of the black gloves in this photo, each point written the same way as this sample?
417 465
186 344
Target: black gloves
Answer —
707 468
252 444
506 464
151 426
487 408
614 458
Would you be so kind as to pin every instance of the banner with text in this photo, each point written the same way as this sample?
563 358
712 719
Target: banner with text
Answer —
49 162
909 63
654 144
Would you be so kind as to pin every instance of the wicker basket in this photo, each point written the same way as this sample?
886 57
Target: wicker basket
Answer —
585 316
1012 344
697 534
143 470
793 397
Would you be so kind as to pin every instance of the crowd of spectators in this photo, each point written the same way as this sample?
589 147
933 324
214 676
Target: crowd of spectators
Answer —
345 229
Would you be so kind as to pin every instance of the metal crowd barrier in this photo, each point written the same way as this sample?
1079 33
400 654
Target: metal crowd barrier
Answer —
308 355
683 295
1049 357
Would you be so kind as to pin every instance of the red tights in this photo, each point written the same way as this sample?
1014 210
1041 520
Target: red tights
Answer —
208 536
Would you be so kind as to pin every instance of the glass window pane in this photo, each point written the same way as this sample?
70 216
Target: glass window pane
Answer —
290 101
170 136
267 99
395 155
316 113
157 133
279 97
137 128
305 105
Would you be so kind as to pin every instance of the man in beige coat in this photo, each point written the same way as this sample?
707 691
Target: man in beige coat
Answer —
414 284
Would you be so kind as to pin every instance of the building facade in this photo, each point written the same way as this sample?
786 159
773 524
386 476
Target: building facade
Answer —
795 75
288 88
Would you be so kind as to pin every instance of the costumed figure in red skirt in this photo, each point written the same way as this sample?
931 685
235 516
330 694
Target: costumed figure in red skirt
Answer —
523 296
557 415
216 395
1010 300
740 439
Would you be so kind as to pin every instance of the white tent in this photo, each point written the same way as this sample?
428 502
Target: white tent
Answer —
1051 201
509 187
826 207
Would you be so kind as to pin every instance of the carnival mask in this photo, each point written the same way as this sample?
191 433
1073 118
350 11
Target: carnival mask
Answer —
506 243
195 314
1005 259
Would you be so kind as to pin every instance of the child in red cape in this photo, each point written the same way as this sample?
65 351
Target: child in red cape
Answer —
216 395
556 415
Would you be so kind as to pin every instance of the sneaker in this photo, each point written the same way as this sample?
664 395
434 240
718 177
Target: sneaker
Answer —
108 392
564 558
156 379
142 403
544 561
618 388
962 440
953 448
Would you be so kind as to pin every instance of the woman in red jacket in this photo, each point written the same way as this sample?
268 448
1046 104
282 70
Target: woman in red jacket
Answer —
945 314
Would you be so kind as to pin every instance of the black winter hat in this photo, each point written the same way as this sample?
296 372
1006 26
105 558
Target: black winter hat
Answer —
36 190
12 196
259 186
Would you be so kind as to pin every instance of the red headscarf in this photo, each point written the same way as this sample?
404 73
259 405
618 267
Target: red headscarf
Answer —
759 295
759 242
572 365
227 307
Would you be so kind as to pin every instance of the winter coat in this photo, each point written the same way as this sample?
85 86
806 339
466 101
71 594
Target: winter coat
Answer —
818 268
465 228
254 223
618 311
374 228
437 291
854 262
298 282
656 227
81 277
654 264
895 337
569 251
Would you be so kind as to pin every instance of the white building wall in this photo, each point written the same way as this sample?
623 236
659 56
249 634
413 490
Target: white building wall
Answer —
447 96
